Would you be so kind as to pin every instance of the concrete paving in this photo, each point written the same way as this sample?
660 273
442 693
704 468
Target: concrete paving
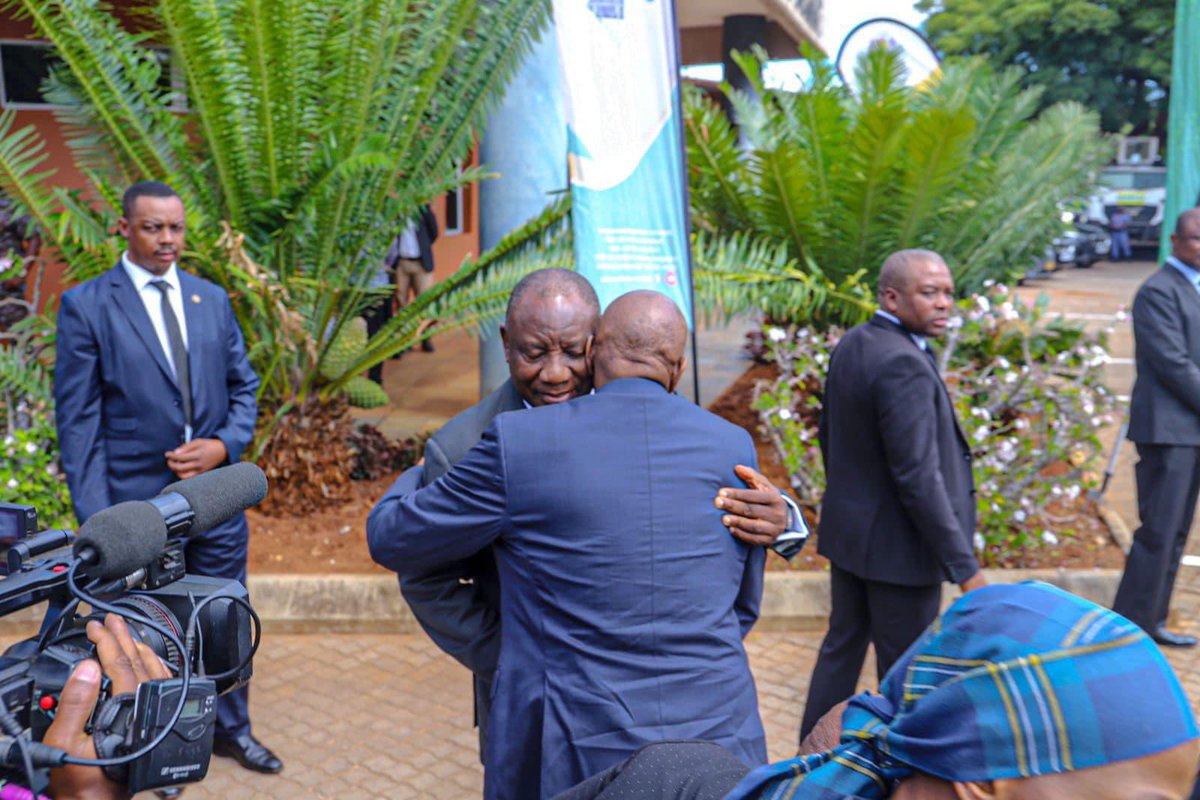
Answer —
388 716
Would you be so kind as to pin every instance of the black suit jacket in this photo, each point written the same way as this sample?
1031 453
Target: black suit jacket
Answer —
899 505
459 606
427 234
1165 407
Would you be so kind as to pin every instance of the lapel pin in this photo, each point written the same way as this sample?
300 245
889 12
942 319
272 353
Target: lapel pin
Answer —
196 299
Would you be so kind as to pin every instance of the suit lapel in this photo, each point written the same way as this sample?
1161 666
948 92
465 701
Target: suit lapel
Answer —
127 299
931 365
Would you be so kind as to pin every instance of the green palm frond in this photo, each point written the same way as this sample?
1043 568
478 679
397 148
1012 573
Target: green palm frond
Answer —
742 273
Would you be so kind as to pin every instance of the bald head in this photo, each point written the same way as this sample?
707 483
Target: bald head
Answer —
544 284
642 334
901 266
916 287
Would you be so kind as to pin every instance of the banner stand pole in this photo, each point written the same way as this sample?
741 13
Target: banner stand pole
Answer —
687 201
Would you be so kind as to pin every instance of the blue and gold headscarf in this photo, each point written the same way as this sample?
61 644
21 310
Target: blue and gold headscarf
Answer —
1012 682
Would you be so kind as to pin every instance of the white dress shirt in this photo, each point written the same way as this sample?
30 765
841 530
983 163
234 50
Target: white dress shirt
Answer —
152 300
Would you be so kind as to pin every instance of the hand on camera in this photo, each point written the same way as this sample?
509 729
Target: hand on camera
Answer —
127 663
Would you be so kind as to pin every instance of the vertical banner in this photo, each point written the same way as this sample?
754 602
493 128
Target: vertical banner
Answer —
1183 126
620 70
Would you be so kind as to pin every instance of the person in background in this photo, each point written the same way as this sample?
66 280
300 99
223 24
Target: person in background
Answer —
898 517
1164 424
152 385
410 260
1118 225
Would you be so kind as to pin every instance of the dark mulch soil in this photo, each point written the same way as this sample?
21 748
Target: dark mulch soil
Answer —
334 541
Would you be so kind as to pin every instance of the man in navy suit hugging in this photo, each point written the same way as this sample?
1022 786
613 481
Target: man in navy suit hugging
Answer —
624 598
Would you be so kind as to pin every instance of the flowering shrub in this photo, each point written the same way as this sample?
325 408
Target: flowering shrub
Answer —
30 472
1027 391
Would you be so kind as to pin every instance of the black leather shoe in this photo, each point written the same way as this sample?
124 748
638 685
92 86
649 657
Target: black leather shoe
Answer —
248 752
1168 639
427 346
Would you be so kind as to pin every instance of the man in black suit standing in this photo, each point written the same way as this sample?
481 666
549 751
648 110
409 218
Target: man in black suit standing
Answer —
898 516
552 316
1164 423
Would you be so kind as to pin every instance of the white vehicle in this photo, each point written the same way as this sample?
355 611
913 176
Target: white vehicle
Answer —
1136 183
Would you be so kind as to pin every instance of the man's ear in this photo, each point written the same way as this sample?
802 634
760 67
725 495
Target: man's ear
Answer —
677 373
123 227
887 299
504 341
589 354
975 790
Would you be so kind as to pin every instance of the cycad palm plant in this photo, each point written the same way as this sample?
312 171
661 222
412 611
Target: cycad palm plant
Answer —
312 130
834 180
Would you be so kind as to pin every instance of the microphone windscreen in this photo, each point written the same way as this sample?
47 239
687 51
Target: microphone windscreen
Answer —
217 495
124 537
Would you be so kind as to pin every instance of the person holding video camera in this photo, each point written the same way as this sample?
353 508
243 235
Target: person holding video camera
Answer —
152 385
126 663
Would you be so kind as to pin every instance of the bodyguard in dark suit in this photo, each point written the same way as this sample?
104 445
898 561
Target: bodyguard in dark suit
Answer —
624 598
152 385
550 321
898 516
1164 423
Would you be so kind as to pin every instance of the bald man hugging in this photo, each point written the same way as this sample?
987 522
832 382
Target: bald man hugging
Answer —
624 596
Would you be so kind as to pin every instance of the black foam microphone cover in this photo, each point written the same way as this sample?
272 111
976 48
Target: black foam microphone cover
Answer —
217 495
121 539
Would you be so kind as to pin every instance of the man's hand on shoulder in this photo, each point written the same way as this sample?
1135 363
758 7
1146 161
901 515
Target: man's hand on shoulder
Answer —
197 456
757 515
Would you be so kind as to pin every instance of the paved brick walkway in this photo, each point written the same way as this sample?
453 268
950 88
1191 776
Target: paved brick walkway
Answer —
359 716
389 716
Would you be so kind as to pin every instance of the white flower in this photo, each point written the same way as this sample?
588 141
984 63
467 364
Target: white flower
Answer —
776 334
981 433
1049 538
30 448
954 323
1019 515
1020 423
979 543
989 283
9 440
1003 363
1011 377
785 413
983 303
51 470
12 483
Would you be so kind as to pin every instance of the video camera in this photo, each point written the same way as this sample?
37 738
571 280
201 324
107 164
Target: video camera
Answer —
129 560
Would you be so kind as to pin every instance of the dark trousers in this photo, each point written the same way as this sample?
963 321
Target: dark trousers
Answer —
1168 479
687 770
864 612
221 553
377 316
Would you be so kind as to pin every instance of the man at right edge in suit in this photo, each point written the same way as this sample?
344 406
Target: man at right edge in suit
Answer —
898 517
551 318
1164 423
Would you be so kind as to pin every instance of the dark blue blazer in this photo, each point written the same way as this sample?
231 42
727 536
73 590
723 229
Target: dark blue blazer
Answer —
117 404
624 599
